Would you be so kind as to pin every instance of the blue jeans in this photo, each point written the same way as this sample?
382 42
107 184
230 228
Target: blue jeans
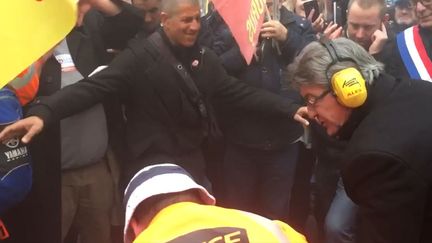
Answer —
341 218
260 181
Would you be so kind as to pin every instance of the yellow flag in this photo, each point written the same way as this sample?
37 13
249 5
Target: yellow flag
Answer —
30 28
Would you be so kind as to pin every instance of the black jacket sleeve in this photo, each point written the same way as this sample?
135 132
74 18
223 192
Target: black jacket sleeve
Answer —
118 29
117 78
236 94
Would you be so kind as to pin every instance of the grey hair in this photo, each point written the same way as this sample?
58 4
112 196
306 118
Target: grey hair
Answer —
170 6
311 66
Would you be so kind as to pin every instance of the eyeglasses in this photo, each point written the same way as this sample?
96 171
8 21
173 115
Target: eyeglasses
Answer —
425 3
312 99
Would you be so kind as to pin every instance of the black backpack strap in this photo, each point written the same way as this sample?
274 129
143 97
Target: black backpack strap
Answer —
190 87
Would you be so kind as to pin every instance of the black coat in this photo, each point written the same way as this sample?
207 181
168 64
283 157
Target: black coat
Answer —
392 59
388 162
162 123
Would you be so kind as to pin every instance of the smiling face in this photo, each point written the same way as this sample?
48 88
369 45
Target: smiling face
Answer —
326 110
182 25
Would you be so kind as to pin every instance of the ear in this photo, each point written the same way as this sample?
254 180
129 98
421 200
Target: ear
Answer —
164 17
134 227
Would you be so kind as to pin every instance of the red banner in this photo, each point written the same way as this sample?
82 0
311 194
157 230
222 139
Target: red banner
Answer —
244 18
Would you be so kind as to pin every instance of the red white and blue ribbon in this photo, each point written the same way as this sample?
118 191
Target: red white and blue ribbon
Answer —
414 55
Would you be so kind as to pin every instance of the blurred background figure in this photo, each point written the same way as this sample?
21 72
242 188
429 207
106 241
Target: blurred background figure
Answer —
404 16
410 53
318 24
150 10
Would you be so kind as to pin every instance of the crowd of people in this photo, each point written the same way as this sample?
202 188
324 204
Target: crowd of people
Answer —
146 124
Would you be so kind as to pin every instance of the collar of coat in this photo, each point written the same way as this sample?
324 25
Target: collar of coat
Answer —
376 93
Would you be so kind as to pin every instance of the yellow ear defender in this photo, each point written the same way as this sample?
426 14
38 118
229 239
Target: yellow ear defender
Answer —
348 84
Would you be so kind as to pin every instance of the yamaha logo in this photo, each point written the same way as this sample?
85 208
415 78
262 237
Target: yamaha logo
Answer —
13 143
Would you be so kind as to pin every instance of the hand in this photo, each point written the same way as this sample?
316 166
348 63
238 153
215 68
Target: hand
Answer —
107 7
29 127
379 38
318 24
333 31
274 29
300 115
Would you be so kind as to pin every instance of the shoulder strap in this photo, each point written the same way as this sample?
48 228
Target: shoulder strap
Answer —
209 122
192 89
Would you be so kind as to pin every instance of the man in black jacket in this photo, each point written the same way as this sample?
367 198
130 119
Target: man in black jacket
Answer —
404 16
387 162
259 166
168 117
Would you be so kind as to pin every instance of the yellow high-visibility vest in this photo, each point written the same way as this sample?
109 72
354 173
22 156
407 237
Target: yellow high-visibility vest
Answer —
188 222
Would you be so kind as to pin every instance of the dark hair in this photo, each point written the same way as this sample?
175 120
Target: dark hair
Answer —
403 4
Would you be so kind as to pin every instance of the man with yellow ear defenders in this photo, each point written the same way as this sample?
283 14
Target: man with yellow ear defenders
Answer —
386 163
349 88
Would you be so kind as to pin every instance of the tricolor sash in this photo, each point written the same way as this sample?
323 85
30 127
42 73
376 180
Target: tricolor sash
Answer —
414 55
